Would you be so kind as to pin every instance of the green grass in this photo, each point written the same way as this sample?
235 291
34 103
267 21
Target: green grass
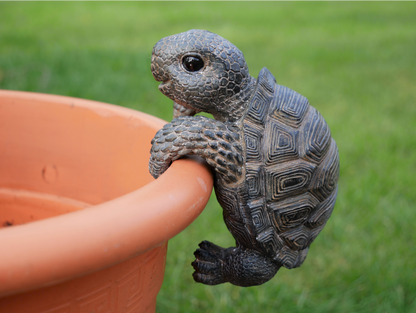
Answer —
355 62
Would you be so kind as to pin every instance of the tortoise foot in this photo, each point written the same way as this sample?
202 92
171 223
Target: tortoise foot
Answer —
208 264
239 266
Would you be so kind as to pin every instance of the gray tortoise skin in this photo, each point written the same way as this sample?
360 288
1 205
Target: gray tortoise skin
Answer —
276 165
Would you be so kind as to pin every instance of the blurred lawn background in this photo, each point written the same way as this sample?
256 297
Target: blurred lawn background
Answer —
355 62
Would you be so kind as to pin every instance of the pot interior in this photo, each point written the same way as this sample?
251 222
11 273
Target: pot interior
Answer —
59 155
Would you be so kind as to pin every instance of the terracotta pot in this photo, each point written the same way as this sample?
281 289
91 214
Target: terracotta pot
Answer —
89 224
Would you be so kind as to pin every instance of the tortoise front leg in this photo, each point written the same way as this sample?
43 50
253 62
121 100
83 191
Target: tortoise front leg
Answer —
213 140
180 110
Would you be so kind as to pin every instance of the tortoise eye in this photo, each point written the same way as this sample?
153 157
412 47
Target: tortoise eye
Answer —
192 63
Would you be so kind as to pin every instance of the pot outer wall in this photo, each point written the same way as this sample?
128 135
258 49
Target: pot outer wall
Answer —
130 286
63 155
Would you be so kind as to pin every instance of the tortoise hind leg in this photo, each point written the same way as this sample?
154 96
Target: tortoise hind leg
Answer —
241 267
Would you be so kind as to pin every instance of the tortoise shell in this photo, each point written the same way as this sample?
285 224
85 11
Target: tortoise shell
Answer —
292 169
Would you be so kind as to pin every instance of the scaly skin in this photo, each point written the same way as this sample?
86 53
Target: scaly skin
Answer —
223 88
218 144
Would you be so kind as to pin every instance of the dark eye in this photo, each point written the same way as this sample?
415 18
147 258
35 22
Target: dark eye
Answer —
192 63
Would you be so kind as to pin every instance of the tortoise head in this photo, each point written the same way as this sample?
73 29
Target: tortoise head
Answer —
203 72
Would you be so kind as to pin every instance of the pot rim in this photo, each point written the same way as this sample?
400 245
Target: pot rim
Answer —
88 240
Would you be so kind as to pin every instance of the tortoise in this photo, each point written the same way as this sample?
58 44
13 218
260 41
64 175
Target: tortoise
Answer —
276 164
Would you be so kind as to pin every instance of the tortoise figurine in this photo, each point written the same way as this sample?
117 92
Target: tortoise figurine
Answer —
276 165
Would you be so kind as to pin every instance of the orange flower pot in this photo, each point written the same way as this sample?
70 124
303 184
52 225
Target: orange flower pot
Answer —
84 227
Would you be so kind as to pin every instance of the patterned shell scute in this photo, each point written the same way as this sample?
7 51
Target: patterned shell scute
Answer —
316 137
270 241
289 107
259 217
293 211
282 145
255 177
235 222
254 142
292 169
263 96
288 179
326 177
323 211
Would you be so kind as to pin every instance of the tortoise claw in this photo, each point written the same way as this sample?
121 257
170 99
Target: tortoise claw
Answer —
201 254
207 279
208 265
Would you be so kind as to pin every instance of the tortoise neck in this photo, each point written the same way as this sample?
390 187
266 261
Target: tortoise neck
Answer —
233 109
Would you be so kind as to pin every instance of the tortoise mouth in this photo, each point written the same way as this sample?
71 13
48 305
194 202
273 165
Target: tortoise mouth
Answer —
164 85
166 88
